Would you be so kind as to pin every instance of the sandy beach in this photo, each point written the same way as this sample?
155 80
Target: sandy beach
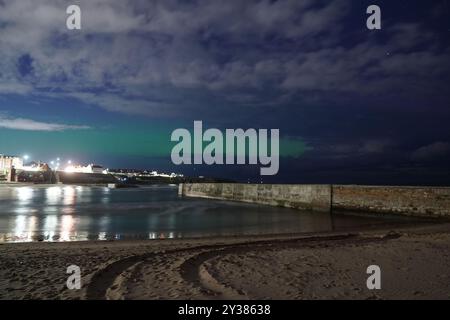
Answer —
414 262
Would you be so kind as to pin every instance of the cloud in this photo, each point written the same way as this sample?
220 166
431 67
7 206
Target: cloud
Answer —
432 151
375 146
147 52
363 148
31 125
15 88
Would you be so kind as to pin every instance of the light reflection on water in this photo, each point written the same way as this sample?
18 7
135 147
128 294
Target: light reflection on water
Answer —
75 213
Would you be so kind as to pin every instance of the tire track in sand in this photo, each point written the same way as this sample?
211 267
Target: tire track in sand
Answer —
105 281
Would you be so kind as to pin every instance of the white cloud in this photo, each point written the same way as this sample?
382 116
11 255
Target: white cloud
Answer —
15 88
31 125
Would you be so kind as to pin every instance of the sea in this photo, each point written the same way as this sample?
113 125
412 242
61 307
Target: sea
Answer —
58 213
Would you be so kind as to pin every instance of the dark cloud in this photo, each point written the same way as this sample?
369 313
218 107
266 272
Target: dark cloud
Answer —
434 151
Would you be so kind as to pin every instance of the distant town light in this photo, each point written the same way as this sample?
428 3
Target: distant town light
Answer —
70 169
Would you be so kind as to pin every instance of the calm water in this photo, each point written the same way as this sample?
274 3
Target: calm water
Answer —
73 213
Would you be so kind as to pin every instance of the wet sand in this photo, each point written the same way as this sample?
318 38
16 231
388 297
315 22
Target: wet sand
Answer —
415 264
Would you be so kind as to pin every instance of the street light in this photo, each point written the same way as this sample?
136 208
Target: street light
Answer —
26 157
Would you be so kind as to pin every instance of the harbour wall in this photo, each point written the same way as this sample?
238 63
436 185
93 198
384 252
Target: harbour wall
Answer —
303 197
431 202
413 201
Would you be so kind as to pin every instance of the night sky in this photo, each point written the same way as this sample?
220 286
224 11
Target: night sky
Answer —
353 105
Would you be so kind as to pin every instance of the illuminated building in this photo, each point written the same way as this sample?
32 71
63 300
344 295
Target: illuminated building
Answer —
91 168
7 162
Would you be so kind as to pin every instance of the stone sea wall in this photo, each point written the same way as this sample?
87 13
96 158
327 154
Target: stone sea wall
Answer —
413 201
304 197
